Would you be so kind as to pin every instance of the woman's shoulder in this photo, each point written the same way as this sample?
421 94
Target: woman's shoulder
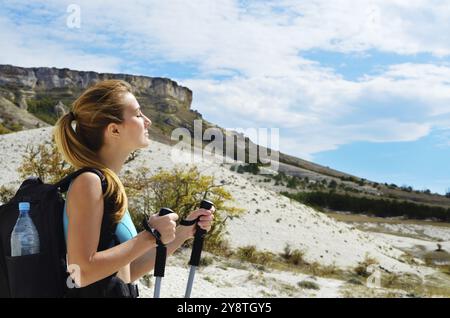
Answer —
85 199
87 185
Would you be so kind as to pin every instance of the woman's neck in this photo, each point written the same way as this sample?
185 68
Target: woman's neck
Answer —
112 158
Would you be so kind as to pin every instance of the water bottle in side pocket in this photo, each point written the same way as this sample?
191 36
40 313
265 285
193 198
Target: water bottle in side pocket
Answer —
24 237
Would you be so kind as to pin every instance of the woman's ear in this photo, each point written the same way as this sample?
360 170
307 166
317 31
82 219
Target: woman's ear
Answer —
113 130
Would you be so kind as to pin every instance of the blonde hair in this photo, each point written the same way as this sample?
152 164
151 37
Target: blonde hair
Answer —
98 106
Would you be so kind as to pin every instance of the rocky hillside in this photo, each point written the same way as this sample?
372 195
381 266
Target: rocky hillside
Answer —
334 252
36 97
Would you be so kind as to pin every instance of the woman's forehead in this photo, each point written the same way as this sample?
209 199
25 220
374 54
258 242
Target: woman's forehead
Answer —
131 104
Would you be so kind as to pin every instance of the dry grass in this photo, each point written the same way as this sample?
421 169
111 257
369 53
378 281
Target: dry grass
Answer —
360 218
363 266
289 260
306 284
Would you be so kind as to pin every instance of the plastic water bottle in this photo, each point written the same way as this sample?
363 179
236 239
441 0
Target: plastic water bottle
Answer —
24 237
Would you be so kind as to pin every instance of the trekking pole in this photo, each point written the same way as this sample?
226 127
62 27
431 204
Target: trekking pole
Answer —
160 260
197 249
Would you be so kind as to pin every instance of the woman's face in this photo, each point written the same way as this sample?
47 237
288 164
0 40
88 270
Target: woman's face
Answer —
135 124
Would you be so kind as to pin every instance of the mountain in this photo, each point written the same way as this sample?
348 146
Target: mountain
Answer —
35 97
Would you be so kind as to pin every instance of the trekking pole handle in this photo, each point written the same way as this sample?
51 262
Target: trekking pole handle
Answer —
162 212
199 237
161 250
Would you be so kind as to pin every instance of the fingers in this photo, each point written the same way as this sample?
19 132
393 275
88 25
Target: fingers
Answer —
206 218
200 212
165 225
205 222
204 225
173 216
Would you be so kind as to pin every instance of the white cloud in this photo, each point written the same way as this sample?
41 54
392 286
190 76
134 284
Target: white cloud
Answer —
258 48
25 46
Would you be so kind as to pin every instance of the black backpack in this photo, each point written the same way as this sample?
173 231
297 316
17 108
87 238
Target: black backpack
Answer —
44 274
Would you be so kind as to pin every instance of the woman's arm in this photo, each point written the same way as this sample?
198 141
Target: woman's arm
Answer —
85 212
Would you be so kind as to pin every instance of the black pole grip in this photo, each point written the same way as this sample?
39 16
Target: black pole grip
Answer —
161 251
160 262
199 237
165 211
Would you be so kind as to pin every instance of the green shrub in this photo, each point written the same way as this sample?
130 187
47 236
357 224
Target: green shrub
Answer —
181 190
333 184
293 183
374 206
43 108
308 285
4 130
44 161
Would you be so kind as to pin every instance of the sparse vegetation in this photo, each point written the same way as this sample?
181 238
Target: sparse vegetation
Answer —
44 161
294 257
43 108
6 194
333 184
252 168
133 155
293 182
289 259
209 279
372 206
147 280
306 284
206 260
4 130
250 254
363 266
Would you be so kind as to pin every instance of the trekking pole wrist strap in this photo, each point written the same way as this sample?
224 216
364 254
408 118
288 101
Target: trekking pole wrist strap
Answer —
185 222
153 232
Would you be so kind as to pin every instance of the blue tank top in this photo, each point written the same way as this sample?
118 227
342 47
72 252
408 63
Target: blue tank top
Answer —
125 228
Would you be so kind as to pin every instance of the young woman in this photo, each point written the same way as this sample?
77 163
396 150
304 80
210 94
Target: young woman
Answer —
104 250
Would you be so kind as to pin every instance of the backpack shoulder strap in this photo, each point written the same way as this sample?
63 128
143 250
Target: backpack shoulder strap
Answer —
63 184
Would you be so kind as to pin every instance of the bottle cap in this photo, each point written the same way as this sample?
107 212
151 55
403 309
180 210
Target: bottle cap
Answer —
24 206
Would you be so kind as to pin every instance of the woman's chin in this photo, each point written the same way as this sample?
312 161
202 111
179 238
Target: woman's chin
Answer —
146 142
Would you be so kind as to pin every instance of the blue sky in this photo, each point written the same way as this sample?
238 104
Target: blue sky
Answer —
360 86
419 164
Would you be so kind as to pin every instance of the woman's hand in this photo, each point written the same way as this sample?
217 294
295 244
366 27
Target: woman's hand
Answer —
165 225
205 221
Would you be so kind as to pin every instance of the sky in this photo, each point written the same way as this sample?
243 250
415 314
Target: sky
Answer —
360 86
